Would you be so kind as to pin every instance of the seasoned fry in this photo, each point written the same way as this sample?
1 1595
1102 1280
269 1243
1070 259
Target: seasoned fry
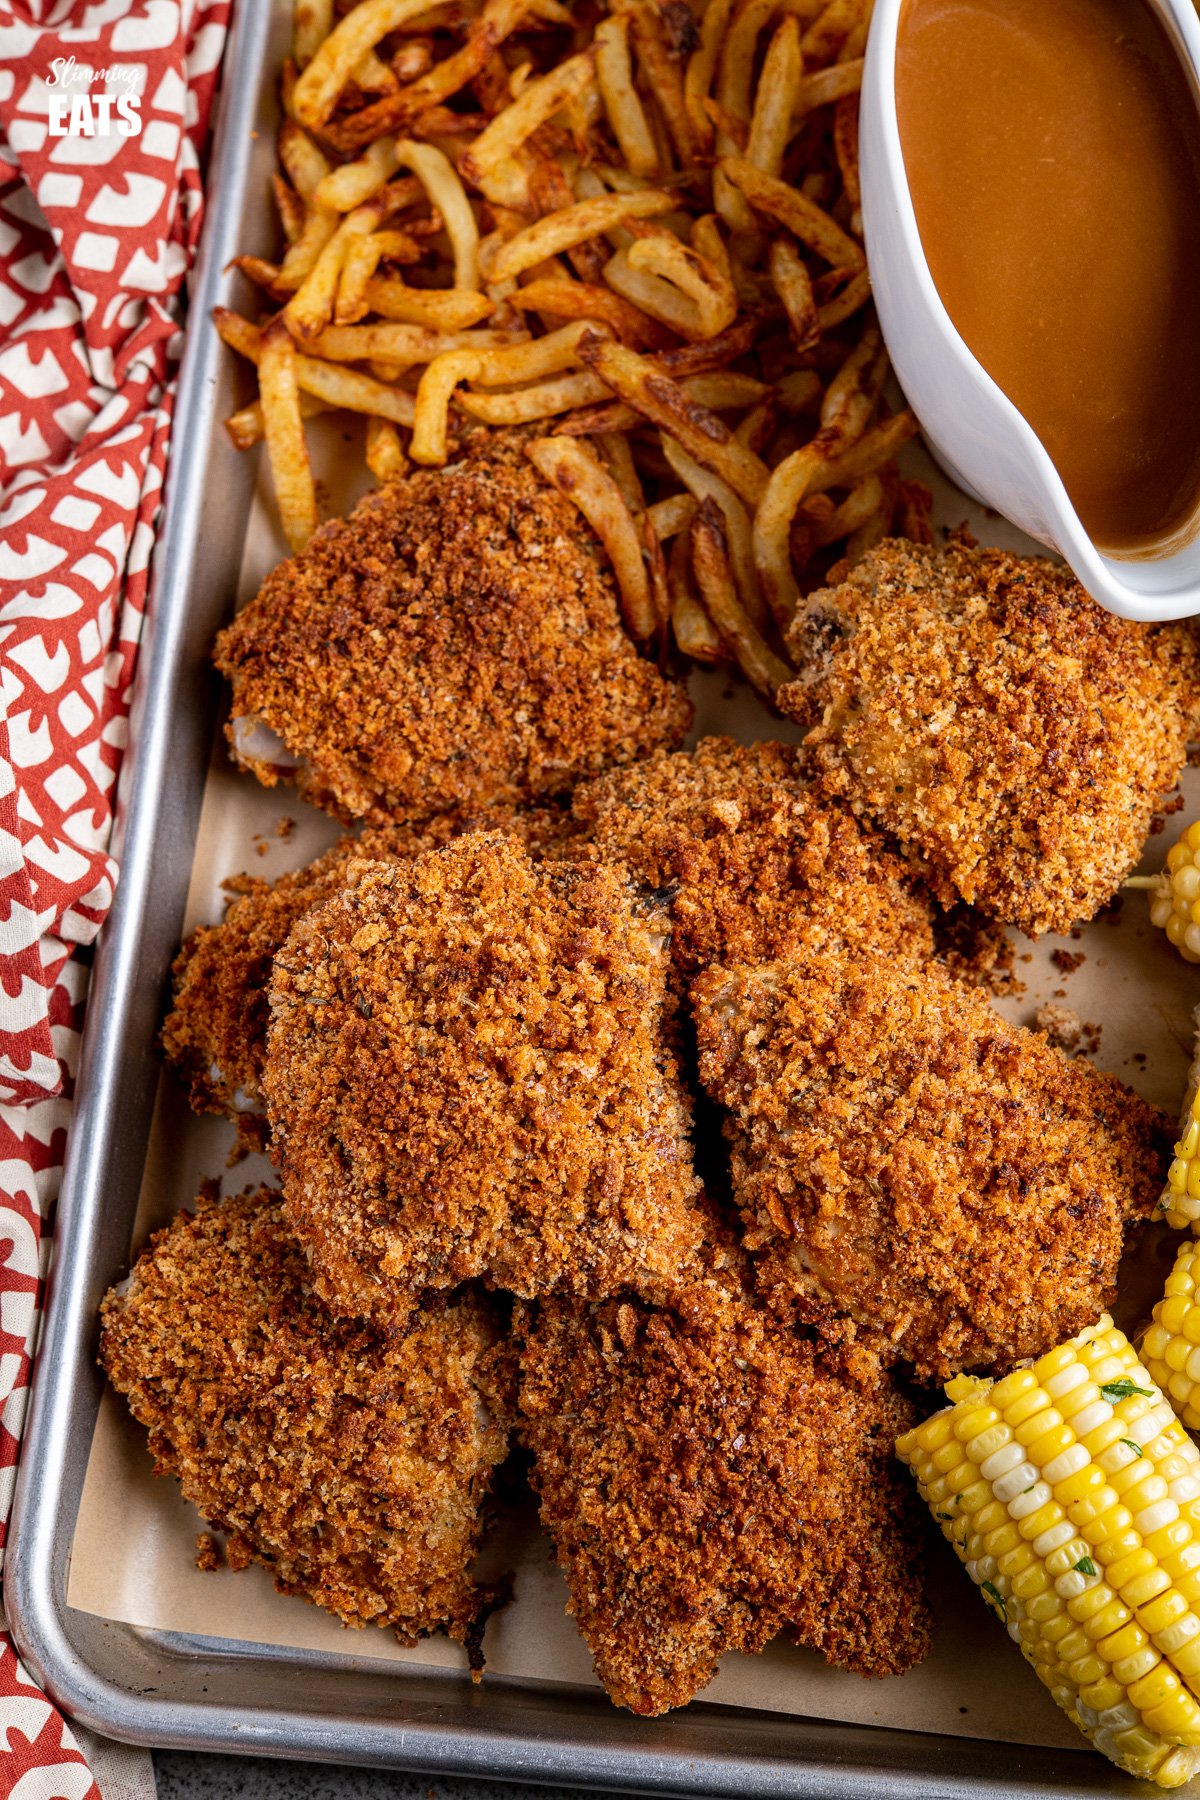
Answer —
714 576
695 632
312 22
404 346
575 225
626 114
854 295
283 430
793 283
246 426
359 264
290 207
347 187
826 85
574 471
704 486
385 452
442 310
664 402
543 401
305 165
585 300
795 212
664 77
770 126
705 282
437 175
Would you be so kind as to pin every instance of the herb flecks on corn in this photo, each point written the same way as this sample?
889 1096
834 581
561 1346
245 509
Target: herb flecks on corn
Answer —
1180 1203
1072 1493
1175 894
1171 1346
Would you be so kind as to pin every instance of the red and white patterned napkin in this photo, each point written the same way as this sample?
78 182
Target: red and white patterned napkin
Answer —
100 212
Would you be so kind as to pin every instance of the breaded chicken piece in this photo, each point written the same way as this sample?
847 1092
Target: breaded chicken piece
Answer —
710 1476
355 1466
754 859
999 722
467 1075
456 640
903 1155
215 1036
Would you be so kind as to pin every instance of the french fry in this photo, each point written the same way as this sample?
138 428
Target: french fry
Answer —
664 402
618 460
574 225
359 263
283 431
357 393
663 73
304 163
771 123
443 309
795 212
720 392
622 105
311 307
695 633
320 225
853 296
826 85
246 426
704 280
338 55
672 516
347 187
875 448
543 401
860 505
661 299
290 208
438 177
257 269
915 510
703 485
573 469
403 346
793 283
714 577
831 29
566 299
702 66
385 452
312 21
845 144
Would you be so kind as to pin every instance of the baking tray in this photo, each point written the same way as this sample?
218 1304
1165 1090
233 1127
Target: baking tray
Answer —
205 1693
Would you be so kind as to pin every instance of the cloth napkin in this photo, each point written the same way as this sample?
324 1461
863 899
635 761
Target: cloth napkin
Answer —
104 111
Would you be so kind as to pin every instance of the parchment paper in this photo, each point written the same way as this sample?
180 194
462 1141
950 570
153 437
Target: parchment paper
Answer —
134 1544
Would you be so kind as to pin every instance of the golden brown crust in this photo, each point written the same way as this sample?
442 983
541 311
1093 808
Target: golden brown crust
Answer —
709 1477
902 1154
354 1466
467 1076
755 861
215 1036
455 641
983 709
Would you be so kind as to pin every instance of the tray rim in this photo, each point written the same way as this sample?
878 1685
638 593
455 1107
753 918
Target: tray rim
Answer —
808 1759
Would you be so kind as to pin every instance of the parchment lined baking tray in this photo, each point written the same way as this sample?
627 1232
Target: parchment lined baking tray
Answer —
208 1680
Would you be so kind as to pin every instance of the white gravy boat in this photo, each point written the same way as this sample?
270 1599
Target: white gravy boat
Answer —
972 428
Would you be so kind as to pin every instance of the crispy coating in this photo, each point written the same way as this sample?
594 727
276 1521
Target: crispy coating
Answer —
215 1036
456 640
467 1075
904 1155
983 709
710 1476
755 860
354 1466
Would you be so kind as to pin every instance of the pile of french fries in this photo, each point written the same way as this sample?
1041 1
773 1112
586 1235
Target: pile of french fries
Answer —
633 226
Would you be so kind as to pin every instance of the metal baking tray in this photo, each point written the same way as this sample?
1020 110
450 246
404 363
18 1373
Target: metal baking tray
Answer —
203 1693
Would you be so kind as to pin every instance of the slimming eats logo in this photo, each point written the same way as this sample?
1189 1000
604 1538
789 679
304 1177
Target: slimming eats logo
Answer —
75 111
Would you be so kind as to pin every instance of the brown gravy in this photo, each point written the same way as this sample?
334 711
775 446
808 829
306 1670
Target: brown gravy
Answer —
1052 149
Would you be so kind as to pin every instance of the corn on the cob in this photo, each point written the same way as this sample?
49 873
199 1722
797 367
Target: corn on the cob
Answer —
1072 1494
1180 1203
1171 1346
1175 894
